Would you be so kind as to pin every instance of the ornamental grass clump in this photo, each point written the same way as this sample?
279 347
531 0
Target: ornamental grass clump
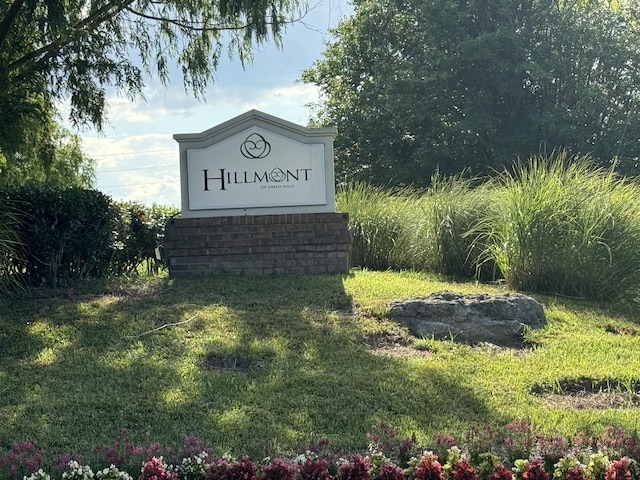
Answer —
445 237
377 225
563 226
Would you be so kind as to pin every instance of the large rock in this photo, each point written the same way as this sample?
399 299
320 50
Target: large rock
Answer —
498 319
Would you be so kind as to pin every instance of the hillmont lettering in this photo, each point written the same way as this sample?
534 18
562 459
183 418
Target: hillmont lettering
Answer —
277 175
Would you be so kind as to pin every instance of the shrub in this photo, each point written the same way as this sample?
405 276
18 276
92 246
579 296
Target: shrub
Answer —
139 231
49 235
65 233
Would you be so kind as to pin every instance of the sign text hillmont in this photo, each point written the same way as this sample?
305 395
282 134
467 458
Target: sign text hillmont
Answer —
256 164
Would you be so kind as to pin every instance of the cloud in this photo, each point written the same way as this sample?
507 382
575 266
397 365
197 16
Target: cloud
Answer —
162 189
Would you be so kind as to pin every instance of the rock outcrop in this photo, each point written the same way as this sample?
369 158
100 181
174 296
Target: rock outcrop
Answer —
499 319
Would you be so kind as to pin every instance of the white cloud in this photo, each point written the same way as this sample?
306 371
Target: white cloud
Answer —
162 189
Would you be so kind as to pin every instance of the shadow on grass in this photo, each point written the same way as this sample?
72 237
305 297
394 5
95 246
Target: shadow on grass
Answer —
74 373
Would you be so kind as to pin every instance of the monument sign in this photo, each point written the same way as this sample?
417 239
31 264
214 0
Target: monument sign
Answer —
258 197
256 164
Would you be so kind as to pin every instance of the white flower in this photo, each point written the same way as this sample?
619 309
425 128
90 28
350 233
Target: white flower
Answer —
39 475
112 473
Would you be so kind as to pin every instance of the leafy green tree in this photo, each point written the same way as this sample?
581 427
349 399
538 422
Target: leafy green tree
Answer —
449 85
76 49
50 155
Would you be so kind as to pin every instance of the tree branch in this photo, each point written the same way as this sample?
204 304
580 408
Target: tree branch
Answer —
193 26
8 20
101 15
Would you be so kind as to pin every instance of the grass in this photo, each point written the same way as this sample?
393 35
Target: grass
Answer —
553 225
76 368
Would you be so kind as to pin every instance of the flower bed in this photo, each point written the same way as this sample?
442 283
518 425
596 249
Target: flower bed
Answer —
515 452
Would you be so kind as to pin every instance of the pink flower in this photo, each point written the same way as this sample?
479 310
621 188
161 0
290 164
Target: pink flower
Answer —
390 471
575 473
314 469
155 469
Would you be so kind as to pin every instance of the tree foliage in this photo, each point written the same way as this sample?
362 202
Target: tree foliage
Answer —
76 49
46 153
448 85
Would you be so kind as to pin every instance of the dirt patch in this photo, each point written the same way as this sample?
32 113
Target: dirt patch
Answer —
394 343
620 330
599 400
497 350
231 363
586 392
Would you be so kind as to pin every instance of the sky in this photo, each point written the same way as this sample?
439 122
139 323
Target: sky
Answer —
136 155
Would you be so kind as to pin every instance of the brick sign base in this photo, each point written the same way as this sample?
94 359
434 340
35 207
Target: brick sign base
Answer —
307 243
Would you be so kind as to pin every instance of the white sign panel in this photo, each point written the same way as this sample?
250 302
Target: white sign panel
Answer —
256 168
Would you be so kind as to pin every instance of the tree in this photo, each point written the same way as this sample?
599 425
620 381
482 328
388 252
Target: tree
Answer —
448 85
76 49
55 158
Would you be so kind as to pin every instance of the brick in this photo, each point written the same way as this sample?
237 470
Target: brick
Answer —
259 245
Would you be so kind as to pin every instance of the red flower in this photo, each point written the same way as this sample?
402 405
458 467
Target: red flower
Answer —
357 468
243 469
314 469
535 471
618 470
575 473
390 471
278 469
218 470
500 472
428 468
463 470
155 469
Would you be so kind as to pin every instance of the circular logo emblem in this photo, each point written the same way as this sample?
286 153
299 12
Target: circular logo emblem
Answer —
277 175
255 146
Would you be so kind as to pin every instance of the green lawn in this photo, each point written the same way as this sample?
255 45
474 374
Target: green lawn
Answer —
264 365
